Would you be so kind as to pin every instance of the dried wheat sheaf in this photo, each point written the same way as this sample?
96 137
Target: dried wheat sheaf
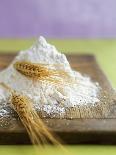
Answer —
37 130
42 72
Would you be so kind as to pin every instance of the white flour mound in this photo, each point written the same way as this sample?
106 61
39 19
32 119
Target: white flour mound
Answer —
44 95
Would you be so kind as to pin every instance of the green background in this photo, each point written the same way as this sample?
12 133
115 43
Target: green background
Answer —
105 52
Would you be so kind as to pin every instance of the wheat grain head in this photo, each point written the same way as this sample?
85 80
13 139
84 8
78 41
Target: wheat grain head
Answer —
37 130
41 72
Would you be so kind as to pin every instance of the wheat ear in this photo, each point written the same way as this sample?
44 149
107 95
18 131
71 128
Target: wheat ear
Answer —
40 71
37 130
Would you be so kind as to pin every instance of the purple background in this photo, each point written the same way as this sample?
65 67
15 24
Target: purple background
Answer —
58 18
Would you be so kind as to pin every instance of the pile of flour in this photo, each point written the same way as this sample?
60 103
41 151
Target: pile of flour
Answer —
44 95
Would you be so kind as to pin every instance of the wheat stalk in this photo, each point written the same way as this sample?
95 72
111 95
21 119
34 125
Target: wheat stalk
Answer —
41 72
37 130
32 70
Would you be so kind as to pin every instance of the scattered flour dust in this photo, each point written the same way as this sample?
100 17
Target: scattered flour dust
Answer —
44 95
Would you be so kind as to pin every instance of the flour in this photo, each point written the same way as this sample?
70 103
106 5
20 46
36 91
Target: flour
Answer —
46 96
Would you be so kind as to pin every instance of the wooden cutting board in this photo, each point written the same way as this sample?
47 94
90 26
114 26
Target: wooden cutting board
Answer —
99 128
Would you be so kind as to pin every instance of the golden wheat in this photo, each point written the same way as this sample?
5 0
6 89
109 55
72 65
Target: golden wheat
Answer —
41 72
32 70
37 130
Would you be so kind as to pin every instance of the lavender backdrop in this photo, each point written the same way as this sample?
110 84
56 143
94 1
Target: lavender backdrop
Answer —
58 18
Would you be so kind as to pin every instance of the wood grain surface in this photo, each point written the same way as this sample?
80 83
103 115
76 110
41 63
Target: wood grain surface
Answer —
91 125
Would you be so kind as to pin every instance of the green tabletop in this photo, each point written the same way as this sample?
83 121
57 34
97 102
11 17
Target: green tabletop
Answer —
105 52
71 150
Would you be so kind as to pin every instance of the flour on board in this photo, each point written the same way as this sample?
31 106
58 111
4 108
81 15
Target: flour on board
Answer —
45 95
